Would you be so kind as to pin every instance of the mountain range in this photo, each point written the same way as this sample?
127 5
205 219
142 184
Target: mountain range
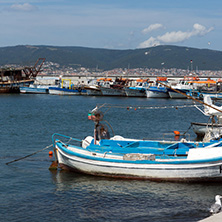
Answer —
106 59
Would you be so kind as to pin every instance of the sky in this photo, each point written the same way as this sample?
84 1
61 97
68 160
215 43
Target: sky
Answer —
112 24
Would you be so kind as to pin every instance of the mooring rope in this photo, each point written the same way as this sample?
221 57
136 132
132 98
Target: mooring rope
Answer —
187 130
29 154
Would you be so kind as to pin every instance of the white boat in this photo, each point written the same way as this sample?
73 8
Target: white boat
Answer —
207 87
35 89
158 91
185 86
214 126
116 88
139 90
214 95
92 88
202 128
137 161
64 91
93 91
69 89
112 91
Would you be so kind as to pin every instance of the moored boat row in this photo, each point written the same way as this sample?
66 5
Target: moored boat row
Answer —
161 87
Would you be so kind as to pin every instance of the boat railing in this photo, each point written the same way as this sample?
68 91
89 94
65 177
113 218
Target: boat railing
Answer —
65 139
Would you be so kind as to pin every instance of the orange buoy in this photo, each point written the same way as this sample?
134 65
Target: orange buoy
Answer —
50 153
177 133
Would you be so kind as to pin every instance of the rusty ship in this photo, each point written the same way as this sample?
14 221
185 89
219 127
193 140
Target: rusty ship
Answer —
11 79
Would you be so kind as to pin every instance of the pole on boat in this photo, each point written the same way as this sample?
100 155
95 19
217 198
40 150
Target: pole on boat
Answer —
190 97
29 155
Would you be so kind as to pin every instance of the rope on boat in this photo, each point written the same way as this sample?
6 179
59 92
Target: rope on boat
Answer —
29 155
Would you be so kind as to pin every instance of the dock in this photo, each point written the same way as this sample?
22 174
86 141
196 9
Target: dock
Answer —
213 218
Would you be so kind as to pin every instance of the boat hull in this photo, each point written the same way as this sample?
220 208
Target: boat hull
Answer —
155 92
202 128
34 90
215 95
93 91
176 95
134 92
64 91
180 171
112 91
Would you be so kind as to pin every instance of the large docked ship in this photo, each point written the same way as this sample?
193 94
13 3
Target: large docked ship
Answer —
11 79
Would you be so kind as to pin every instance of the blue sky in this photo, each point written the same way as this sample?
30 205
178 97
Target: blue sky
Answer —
112 24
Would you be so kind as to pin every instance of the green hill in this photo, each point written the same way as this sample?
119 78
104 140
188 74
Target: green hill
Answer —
106 59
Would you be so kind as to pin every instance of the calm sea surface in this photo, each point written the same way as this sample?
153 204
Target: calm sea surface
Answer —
30 192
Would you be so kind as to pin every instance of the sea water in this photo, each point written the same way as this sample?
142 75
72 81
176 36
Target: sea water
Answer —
30 192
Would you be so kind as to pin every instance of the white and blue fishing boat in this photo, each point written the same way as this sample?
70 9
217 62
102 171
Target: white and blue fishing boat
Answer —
183 87
139 90
70 89
64 91
142 159
206 87
38 87
158 91
35 89
138 159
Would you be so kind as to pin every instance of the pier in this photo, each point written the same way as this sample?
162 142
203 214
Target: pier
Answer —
213 218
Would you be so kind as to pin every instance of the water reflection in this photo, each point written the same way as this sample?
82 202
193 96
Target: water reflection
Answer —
135 200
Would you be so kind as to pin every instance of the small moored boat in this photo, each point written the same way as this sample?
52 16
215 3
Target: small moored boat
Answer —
202 128
35 89
138 159
92 88
183 87
67 90
158 91
214 124
139 90
116 88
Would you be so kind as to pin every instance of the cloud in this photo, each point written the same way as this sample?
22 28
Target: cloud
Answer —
23 7
149 42
176 36
152 28
201 30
